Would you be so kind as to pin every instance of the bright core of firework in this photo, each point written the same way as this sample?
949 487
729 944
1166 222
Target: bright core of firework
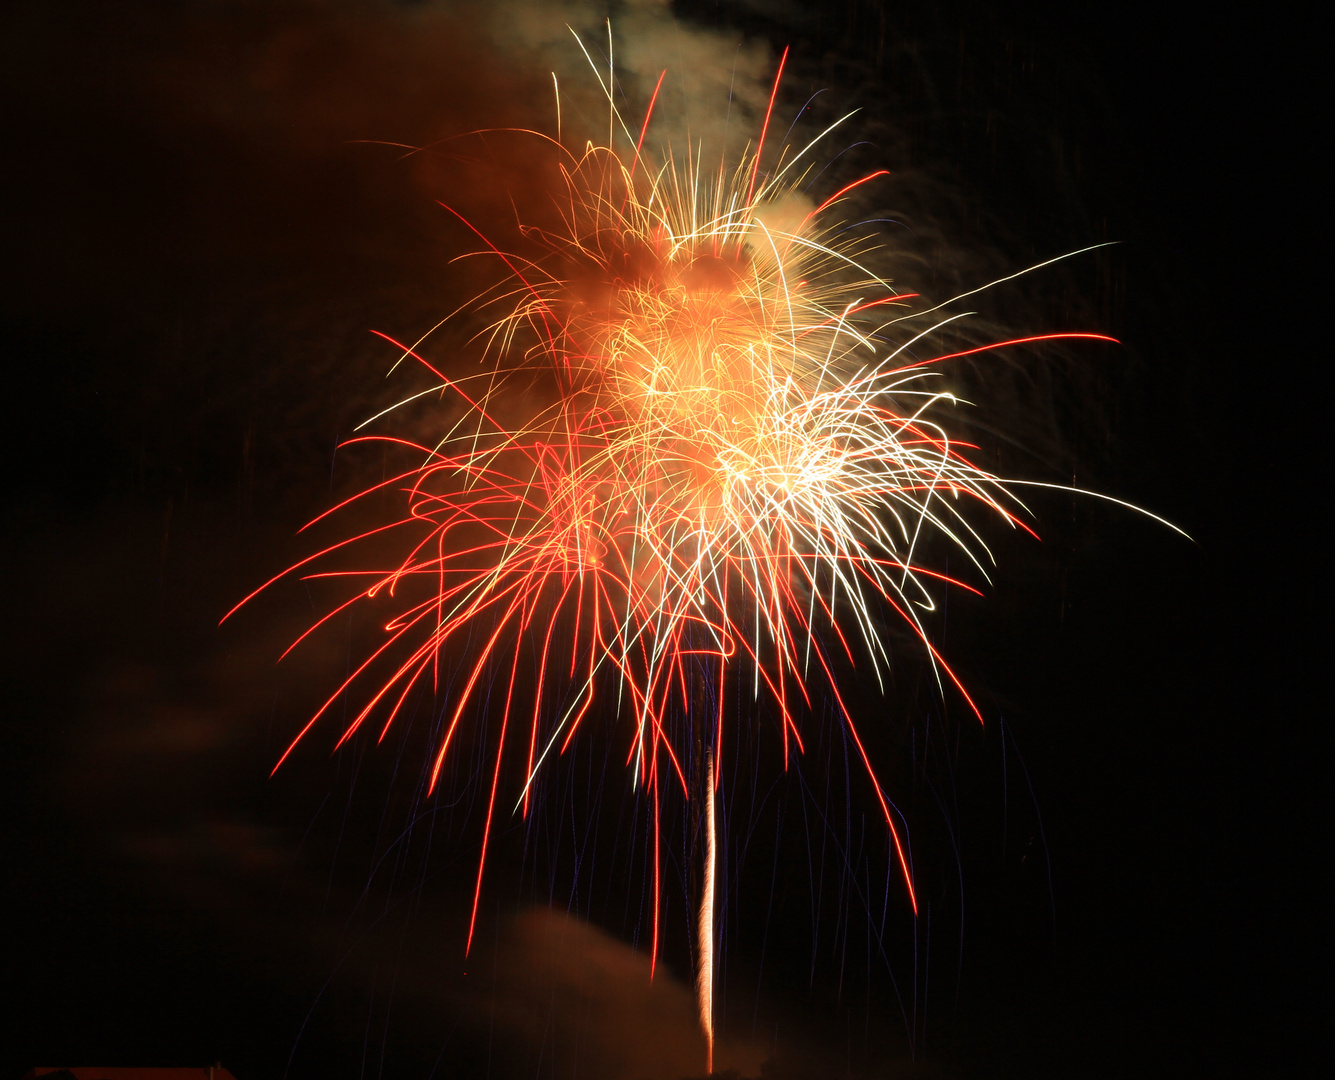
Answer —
734 477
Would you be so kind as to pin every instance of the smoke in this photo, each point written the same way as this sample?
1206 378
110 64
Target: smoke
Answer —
567 992
716 85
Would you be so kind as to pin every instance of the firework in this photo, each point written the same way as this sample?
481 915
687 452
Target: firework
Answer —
734 478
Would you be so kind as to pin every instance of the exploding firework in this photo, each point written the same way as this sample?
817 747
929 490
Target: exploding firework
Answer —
736 476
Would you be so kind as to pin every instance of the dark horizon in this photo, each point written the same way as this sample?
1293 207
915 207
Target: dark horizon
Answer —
1121 862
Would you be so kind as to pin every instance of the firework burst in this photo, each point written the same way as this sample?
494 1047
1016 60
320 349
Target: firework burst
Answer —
735 478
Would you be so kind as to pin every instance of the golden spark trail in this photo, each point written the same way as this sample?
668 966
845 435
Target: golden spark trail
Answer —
704 976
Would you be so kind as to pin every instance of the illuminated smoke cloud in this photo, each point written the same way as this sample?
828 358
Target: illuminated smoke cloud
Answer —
715 90
568 990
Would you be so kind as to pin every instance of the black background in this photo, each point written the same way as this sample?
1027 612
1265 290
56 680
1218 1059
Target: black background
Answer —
189 278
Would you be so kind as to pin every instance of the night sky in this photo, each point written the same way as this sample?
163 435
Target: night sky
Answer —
203 224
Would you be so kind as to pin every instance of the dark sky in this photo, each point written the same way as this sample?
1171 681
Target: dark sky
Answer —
1122 862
